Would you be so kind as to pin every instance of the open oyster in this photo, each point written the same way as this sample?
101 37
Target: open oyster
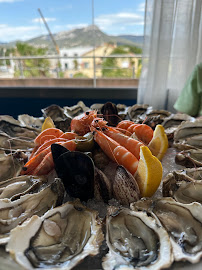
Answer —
183 223
137 111
189 158
14 130
11 143
172 122
15 212
59 116
18 186
135 240
11 165
189 135
60 239
182 188
30 121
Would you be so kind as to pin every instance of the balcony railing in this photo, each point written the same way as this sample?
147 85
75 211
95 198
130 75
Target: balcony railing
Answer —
19 68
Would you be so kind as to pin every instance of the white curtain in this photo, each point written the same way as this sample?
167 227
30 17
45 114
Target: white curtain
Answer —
172 47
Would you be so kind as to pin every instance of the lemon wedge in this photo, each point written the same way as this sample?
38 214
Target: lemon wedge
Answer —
149 172
159 143
48 123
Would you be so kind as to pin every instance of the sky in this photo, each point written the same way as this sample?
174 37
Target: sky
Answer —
20 19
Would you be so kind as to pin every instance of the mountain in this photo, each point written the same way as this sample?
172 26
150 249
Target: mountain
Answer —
139 40
88 36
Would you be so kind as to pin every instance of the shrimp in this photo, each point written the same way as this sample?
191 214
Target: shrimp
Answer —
46 144
37 160
143 132
81 123
68 135
115 151
129 143
45 166
47 134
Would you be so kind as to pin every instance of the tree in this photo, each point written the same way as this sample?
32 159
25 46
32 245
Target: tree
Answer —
110 67
32 67
80 75
75 64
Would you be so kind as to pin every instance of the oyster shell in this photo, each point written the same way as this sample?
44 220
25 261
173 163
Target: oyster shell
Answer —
102 186
172 122
10 119
30 121
182 189
54 111
188 135
125 187
13 213
14 130
136 241
137 111
189 158
18 186
59 116
60 239
11 165
10 143
183 223
110 113
75 110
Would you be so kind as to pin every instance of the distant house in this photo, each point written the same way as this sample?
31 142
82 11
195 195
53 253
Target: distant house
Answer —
72 63
87 65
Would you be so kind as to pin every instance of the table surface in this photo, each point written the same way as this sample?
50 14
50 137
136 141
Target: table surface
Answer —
7 263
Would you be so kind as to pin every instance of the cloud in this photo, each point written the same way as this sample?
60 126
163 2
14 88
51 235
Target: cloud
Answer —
78 25
11 33
123 18
37 20
141 7
10 1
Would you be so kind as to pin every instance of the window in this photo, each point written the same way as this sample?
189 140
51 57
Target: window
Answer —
86 65
66 65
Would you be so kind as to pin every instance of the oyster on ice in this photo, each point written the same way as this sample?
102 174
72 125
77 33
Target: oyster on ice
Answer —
172 122
188 135
11 143
18 186
11 165
182 188
22 132
13 213
60 239
136 240
189 158
183 223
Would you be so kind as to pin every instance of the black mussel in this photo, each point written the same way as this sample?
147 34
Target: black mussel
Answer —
57 150
76 170
110 113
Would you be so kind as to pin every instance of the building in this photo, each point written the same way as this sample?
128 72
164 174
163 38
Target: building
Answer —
70 65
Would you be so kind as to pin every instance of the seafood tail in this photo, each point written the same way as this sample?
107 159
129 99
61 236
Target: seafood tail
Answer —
44 162
47 134
116 152
143 132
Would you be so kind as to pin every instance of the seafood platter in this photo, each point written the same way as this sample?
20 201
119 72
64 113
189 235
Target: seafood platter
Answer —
101 187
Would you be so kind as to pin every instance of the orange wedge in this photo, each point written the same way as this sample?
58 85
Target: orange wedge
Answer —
159 143
48 123
149 172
